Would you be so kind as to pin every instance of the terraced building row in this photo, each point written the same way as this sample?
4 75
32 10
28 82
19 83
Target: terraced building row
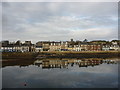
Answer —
27 46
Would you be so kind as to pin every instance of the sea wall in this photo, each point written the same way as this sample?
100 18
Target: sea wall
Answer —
85 54
19 55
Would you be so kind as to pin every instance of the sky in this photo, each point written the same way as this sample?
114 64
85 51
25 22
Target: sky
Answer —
59 21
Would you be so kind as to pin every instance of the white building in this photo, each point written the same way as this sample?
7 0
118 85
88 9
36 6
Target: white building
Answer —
77 48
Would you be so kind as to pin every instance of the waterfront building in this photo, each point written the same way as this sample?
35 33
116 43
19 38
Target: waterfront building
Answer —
105 47
90 47
111 46
46 46
42 46
39 47
17 47
27 43
5 43
77 48
94 47
64 46
55 46
71 45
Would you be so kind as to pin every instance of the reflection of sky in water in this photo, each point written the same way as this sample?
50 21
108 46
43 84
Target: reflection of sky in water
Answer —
103 75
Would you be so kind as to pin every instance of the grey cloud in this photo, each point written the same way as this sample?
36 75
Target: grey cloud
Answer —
58 21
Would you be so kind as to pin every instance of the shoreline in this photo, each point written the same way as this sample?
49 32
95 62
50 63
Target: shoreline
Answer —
19 55
56 54
84 54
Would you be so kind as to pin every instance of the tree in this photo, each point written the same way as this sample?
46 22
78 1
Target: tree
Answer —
85 40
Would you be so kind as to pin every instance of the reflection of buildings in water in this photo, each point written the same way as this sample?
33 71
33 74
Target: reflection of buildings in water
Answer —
23 66
87 63
61 63
38 64
54 64
64 63
110 61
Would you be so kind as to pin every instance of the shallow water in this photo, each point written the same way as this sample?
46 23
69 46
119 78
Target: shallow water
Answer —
61 74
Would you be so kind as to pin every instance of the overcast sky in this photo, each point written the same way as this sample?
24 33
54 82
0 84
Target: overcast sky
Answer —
59 21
